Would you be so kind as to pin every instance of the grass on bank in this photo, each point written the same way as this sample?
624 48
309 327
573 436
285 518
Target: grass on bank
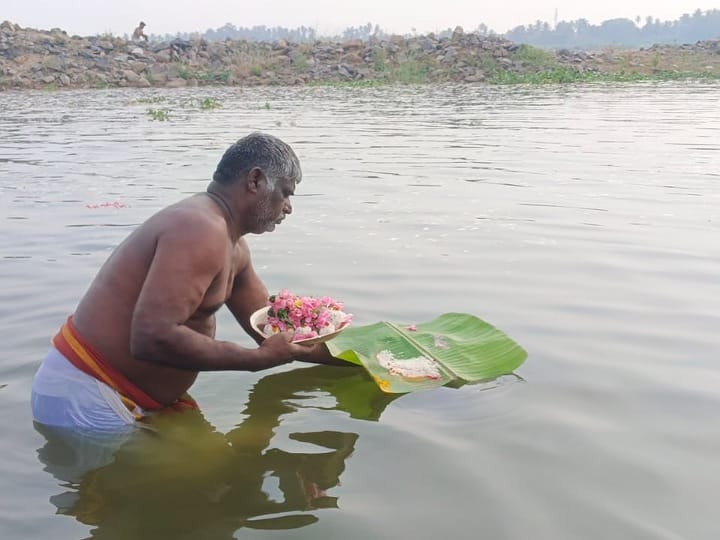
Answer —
560 75
565 75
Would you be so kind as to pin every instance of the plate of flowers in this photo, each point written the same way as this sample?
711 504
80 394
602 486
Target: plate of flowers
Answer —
311 320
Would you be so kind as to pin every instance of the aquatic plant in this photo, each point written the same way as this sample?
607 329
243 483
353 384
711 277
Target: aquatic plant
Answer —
563 75
150 100
354 83
161 115
209 103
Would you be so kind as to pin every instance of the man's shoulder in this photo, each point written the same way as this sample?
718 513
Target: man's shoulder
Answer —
190 215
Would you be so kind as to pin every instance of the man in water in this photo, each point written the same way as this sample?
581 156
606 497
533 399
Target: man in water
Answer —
138 33
146 325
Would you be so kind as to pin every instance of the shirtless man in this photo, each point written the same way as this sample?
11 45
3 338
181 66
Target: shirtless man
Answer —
146 325
138 33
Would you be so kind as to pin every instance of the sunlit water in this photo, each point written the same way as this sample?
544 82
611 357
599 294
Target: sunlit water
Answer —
582 221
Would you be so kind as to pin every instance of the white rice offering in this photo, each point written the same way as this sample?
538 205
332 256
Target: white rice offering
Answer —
410 368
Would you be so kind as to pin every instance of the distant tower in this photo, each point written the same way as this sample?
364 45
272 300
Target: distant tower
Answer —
555 18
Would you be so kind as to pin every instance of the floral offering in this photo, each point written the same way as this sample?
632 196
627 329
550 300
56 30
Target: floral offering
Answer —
307 317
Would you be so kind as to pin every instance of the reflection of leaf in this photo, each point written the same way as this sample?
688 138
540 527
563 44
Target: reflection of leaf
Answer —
464 347
292 521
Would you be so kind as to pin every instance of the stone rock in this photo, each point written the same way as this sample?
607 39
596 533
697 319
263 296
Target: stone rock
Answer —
346 71
163 56
32 58
353 44
55 63
130 75
142 82
176 83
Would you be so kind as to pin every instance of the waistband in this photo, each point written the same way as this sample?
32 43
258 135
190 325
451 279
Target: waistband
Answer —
84 357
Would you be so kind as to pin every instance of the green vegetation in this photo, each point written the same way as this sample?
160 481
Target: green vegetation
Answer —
568 75
656 60
216 76
161 115
380 60
411 71
185 71
97 82
301 62
209 103
188 73
150 100
355 83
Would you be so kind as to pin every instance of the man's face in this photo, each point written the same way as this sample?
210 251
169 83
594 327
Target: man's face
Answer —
275 205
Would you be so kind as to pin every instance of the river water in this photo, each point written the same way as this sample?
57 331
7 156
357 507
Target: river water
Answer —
584 221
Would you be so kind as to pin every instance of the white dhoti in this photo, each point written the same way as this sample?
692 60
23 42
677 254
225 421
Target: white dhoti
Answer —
64 396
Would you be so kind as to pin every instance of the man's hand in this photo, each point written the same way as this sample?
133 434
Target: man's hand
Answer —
279 349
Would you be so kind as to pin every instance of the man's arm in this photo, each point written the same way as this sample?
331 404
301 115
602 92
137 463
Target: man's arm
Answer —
250 294
188 259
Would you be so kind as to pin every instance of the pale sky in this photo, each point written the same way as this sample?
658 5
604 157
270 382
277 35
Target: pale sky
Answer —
89 17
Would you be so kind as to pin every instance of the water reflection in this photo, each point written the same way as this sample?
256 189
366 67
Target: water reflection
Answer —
184 479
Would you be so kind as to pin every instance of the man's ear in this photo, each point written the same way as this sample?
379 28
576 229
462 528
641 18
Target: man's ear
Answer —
256 178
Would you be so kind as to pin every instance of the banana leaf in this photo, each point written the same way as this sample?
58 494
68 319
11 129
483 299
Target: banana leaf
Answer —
462 347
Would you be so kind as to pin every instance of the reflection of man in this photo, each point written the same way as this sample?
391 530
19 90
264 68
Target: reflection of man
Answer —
184 476
138 33
146 325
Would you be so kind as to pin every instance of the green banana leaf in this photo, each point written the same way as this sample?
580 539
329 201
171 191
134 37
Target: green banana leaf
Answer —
463 347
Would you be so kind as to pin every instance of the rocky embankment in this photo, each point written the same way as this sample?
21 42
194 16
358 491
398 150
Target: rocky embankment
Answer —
32 58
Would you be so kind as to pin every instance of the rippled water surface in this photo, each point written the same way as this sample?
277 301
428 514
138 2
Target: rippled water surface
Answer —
583 221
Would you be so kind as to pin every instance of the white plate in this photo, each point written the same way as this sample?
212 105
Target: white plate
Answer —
259 319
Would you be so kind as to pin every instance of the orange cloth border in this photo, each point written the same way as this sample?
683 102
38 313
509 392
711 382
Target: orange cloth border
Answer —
84 357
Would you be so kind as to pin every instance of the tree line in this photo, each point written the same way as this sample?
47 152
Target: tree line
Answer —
689 28
700 26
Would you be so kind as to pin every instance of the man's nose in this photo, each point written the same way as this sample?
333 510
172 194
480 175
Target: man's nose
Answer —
288 208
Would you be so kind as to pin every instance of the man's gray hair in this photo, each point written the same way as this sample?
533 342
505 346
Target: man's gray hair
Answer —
273 156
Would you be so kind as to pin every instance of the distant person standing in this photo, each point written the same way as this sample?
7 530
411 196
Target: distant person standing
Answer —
138 33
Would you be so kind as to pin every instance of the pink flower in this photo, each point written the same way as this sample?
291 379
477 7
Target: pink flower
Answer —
304 314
